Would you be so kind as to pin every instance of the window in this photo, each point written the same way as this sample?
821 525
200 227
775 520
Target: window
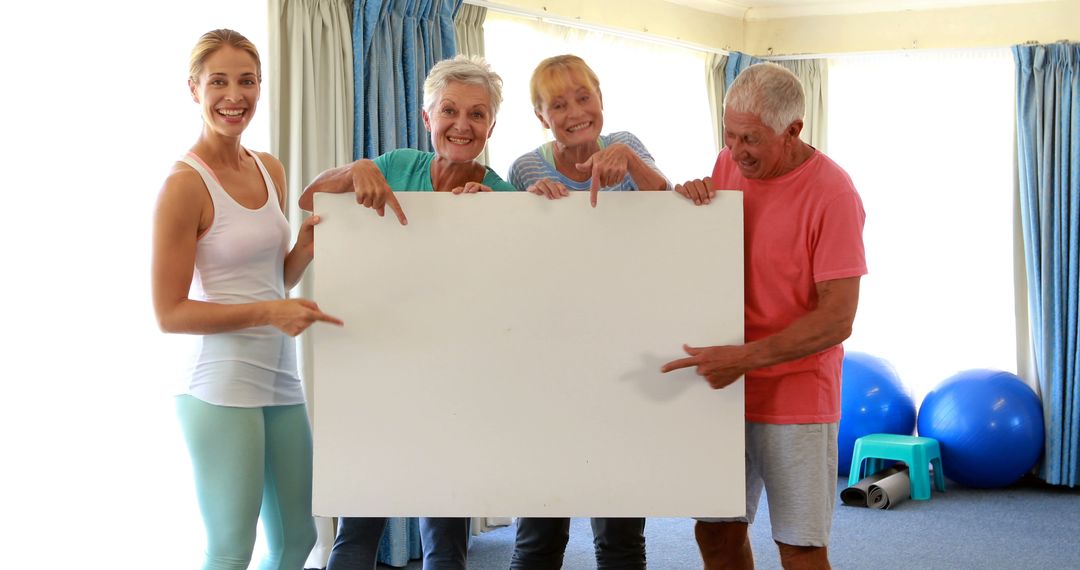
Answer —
666 107
928 139
102 110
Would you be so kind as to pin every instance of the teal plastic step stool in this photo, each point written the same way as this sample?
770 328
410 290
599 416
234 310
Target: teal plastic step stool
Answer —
919 453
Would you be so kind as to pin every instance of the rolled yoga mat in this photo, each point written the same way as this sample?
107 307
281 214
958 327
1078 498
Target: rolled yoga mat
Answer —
881 490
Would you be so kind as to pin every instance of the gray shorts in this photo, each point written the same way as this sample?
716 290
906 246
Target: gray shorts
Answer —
796 466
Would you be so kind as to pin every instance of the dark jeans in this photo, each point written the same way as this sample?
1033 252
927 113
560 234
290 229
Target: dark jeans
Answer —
445 542
541 542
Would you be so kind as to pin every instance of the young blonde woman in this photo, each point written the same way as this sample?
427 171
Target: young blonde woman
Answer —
221 266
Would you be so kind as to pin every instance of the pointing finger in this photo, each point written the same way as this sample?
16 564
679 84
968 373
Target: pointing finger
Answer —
391 201
679 363
321 316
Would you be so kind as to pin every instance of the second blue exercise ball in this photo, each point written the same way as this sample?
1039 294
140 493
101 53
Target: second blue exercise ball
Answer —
989 424
872 400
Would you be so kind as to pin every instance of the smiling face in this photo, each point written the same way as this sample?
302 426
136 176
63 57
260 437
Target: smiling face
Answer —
227 88
574 113
460 121
758 151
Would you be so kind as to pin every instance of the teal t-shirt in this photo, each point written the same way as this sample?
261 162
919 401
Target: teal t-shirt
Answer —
408 169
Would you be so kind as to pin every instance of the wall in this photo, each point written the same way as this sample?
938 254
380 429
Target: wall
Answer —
649 17
989 26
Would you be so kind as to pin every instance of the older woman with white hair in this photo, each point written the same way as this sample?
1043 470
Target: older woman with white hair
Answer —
461 97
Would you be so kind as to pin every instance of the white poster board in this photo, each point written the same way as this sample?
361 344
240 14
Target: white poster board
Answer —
501 355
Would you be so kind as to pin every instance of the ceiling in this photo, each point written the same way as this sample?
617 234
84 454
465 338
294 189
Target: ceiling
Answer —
769 9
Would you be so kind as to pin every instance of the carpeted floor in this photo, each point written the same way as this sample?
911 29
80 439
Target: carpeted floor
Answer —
1027 526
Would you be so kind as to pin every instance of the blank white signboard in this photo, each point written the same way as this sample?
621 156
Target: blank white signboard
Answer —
501 356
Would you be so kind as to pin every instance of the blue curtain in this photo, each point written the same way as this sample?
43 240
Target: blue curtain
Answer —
400 542
737 62
1048 157
395 44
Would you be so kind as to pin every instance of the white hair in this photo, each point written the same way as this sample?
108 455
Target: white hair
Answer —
771 92
473 70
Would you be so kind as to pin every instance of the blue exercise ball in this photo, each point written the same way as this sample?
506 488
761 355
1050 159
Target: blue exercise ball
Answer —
989 424
872 400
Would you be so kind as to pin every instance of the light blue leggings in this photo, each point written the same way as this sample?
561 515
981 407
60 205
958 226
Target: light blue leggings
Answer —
251 463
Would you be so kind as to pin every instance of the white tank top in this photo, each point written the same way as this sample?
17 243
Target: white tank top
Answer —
241 259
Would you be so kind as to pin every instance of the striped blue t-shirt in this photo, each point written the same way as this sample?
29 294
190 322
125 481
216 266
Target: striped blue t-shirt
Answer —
539 164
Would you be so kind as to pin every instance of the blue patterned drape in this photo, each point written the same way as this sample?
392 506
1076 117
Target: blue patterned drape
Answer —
400 542
737 62
1048 159
395 44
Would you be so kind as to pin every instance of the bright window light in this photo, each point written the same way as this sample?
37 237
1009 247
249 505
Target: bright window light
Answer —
669 111
91 430
928 139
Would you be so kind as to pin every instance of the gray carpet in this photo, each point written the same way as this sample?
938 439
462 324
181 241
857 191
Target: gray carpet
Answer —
1027 526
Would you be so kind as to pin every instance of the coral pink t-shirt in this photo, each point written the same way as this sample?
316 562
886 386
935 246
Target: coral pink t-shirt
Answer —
800 229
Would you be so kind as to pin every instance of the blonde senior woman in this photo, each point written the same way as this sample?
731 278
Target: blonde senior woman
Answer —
566 98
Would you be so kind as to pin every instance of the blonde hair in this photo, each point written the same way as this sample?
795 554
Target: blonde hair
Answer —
555 75
214 40
472 70
771 92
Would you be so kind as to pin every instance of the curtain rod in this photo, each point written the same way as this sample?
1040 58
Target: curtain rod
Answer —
897 51
574 23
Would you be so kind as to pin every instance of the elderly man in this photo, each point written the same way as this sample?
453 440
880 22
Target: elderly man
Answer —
804 257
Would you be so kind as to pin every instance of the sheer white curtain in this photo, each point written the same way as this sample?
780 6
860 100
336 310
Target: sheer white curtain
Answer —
928 140
715 64
662 100
312 131
814 75
95 469
469 31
